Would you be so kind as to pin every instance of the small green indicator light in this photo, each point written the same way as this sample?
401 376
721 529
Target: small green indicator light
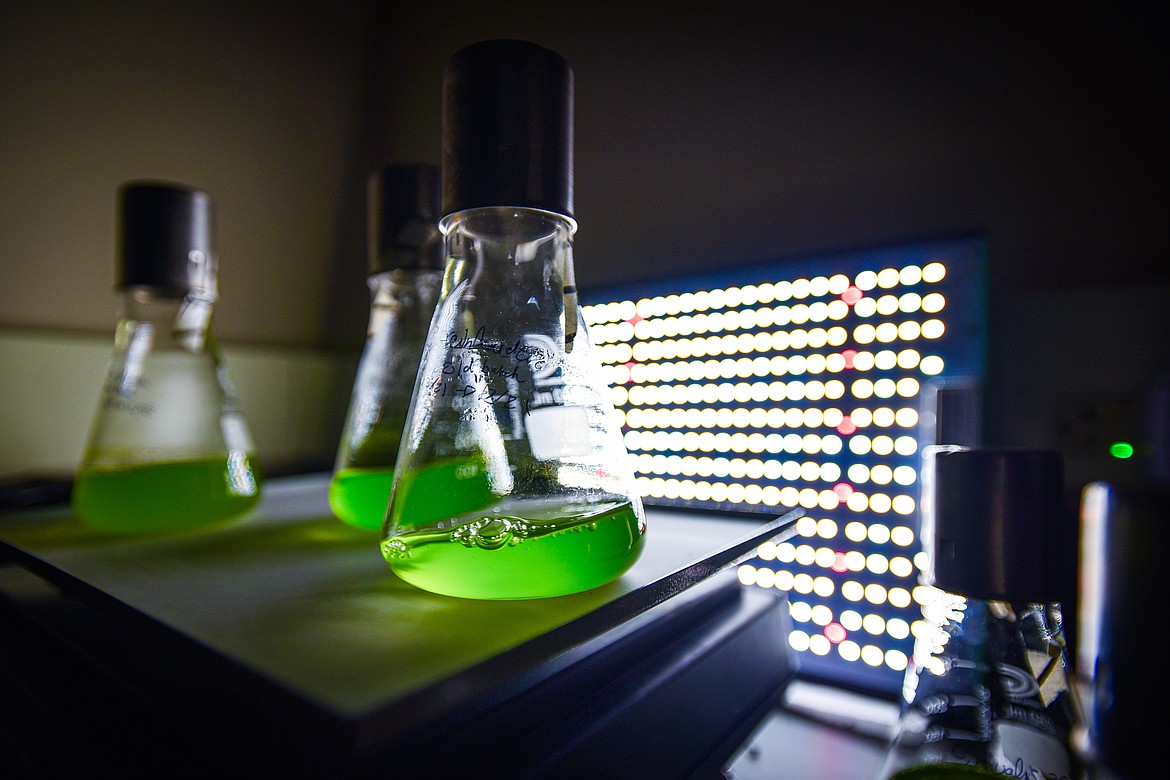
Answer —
1121 449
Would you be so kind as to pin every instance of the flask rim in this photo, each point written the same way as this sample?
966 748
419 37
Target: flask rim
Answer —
448 222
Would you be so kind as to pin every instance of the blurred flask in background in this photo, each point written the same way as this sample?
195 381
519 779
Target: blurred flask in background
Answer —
990 691
169 447
405 266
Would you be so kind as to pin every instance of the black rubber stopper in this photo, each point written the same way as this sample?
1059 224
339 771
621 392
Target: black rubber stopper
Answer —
508 128
995 525
403 219
166 238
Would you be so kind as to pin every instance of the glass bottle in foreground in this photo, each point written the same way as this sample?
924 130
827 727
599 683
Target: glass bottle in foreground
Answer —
990 692
405 263
512 480
169 447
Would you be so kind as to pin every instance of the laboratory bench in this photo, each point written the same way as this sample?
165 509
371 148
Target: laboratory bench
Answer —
281 644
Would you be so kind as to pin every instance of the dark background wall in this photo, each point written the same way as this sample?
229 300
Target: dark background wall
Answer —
706 135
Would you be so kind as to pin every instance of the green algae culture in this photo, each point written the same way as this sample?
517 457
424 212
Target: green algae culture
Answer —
474 544
165 496
359 496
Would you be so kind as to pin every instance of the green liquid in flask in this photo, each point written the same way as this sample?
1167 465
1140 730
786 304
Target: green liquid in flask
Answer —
165 496
359 496
453 536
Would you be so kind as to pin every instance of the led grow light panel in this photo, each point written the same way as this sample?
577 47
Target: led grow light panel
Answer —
809 383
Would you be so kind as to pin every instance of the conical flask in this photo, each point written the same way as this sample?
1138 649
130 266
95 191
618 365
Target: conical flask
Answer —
512 480
990 692
169 447
405 263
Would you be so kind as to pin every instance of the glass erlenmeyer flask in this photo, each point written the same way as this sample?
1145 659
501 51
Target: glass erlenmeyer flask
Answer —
512 480
169 447
405 262
989 692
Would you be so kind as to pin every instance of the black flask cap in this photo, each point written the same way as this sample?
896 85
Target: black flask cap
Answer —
166 238
995 525
403 218
508 128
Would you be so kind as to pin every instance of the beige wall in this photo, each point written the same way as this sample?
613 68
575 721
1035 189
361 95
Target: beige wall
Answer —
253 102
293 400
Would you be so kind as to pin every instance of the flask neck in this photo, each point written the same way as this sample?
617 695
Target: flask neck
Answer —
523 248
518 261
165 321
390 285
403 292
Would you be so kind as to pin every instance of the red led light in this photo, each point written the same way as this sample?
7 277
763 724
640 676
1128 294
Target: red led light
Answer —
846 426
849 354
843 490
635 319
852 295
835 633
839 562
